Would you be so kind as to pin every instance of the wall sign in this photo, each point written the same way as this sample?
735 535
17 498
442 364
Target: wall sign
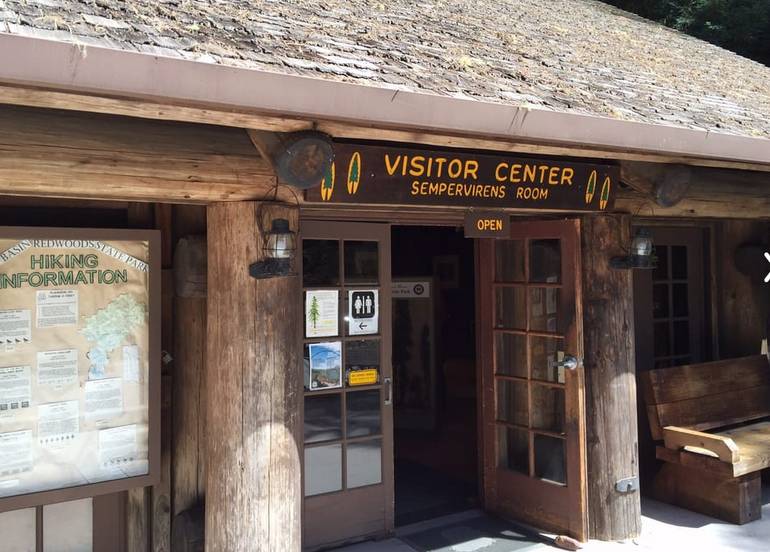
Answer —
368 174
404 289
79 363
487 225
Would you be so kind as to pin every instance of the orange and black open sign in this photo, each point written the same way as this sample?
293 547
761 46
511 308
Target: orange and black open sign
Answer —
367 174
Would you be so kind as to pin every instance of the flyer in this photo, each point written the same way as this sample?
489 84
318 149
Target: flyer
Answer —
57 368
324 366
58 307
58 423
15 326
321 313
15 388
131 366
363 312
15 452
104 398
117 445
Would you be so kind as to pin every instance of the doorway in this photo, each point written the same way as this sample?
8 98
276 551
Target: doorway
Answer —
434 373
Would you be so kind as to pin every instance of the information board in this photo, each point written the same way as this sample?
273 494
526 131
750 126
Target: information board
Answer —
79 354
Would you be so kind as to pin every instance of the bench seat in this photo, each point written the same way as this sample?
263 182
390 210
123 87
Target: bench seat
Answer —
709 468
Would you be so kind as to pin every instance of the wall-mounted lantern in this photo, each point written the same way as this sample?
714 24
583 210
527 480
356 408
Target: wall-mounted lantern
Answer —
641 254
280 247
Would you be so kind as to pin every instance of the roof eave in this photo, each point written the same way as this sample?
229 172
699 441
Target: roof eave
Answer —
99 70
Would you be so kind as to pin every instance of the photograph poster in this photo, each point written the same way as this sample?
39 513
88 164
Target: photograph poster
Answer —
324 365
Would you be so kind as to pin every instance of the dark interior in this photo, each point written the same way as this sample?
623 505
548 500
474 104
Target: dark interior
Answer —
434 373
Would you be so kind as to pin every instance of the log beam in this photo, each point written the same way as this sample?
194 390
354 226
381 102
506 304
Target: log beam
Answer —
85 156
611 428
253 389
717 193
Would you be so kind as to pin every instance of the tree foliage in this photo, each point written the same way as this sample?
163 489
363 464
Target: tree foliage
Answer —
742 26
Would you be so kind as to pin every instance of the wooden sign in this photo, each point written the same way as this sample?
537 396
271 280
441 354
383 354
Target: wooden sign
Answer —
367 174
487 225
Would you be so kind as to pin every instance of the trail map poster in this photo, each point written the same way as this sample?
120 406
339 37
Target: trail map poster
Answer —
75 358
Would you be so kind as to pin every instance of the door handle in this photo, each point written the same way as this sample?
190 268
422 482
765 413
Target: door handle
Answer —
566 361
388 391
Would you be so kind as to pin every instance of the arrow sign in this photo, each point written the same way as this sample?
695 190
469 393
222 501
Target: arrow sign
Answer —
767 256
363 311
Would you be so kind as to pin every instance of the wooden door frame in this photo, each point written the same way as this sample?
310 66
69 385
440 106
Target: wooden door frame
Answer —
354 232
575 457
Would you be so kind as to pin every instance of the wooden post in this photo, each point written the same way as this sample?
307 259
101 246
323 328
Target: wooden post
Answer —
611 424
253 389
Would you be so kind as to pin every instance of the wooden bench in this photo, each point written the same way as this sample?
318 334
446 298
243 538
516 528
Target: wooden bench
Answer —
714 421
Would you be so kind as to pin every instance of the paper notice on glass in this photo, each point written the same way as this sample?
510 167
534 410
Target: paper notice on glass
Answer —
321 313
15 326
104 398
58 423
58 307
15 389
117 446
131 370
325 365
57 368
15 452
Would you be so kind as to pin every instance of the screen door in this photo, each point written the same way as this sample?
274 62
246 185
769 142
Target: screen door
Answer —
532 376
348 413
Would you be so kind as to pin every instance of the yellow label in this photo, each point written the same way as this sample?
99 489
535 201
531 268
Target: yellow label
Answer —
362 377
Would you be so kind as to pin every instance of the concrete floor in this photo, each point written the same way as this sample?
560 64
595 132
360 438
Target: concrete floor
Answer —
664 528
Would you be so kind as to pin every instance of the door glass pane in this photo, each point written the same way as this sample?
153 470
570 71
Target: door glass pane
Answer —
681 337
323 418
364 463
550 459
680 293
363 413
17 531
660 301
513 449
512 402
545 261
511 308
662 339
68 526
320 263
511 354
544 359
547 408
679 262
360 358
323 469
509 261
361 262
543 309
661 268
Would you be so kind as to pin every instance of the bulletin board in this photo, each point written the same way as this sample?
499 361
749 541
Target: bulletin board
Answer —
79 363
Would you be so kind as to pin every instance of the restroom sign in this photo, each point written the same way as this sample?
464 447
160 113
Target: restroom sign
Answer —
363 315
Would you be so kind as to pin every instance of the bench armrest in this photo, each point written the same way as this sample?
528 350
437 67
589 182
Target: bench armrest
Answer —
724 448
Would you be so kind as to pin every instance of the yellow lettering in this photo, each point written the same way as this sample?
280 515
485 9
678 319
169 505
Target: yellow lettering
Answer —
519 192
440 164
416 187
455 168
471 169
529 173
515 170
542 170
391 168
553 176
503 166
566 176
418 165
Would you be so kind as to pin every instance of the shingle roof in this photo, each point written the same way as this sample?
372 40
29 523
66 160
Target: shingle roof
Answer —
578 56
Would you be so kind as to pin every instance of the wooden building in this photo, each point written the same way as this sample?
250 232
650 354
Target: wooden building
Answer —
510 164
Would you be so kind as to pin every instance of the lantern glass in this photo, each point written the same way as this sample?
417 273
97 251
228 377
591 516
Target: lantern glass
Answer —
641 246
281 242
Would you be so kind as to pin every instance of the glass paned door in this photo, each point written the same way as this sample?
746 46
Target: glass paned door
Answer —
348 429
532 376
